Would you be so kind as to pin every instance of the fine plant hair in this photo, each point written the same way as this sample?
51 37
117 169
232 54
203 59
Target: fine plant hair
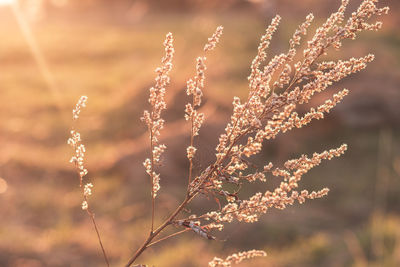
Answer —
276 89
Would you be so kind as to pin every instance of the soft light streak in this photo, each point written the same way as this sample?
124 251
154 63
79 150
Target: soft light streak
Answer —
36 52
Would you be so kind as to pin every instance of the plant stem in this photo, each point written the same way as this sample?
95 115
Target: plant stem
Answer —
159 229
168 236
98 237
191 144
152 176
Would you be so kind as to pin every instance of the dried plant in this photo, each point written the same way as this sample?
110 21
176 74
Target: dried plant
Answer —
276 89
78 160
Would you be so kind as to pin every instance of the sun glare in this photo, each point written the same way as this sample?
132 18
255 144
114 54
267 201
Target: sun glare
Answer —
6 2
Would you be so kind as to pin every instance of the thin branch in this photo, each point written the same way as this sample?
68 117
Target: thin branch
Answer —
91 215
152 177
191 145
98 237
159 229
168 236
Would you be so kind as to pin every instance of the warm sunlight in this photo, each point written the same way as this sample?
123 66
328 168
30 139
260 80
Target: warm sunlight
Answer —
6 2
161 133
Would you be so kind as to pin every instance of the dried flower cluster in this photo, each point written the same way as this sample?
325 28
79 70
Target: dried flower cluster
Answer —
236 258
78 160
250 210
194 88
213 40
276 89
77 110
153 118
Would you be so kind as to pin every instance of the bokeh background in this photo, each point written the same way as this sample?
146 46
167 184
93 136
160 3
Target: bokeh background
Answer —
54 51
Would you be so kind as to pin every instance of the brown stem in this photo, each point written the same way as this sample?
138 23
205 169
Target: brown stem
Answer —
168 236
158 230
91 214
191 144
151 175
98 237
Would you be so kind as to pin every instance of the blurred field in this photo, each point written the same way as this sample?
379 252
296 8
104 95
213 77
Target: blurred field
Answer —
109 54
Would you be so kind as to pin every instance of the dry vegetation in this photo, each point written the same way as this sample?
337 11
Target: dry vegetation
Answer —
109 57
275 92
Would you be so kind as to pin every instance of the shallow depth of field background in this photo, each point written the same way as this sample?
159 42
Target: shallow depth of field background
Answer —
108 50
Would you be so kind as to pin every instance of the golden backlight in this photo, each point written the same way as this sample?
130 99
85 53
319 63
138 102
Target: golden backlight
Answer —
6 2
